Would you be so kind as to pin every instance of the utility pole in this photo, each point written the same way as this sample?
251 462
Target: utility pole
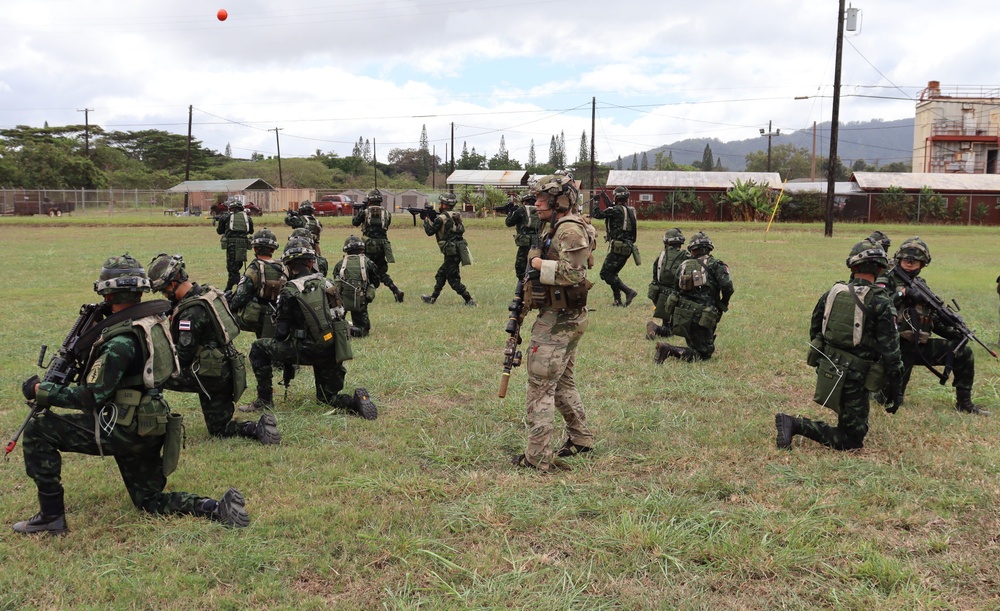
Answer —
434 165
593 122
277 141
776 132
187 162
452 170
812 170
831 174
86 129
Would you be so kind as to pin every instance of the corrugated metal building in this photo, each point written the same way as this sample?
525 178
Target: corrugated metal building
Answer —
682 194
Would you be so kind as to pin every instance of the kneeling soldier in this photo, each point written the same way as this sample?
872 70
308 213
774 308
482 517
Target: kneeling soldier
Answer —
356 277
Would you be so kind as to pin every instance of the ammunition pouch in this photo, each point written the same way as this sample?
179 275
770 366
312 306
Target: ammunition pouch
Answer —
464 252
636 257
238 367
342 341
653 293
223 241
875 380
573 297
150 416
666 303
173 441
370 293
448 248
831 376
249 317
815 354
387 249
621 248
209 363
709 317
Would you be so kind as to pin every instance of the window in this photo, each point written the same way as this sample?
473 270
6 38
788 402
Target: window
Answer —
645 197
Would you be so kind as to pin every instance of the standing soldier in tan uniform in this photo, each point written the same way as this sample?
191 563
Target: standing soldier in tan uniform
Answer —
557 285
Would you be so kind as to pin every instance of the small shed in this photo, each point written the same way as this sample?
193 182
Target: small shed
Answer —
203 193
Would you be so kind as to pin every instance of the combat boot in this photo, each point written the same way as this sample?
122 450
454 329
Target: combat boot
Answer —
362 405
264 430
230 509
629 296
787 427
571 449
469 301
398 294
964 402
652 329
264 401
618 298
665 351
357 331
51 517
430 298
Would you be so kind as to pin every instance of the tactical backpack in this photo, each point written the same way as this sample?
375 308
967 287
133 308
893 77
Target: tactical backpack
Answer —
158 353
376 216
238 223
844 315
309 292
692 274
352 281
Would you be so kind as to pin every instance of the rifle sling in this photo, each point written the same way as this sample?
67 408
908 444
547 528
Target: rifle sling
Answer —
140 310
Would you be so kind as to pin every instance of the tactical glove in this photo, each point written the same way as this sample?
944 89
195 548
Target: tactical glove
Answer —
28 388
889 397
228 295
534 275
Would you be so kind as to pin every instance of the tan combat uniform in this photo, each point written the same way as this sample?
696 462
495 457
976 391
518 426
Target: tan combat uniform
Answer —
562 319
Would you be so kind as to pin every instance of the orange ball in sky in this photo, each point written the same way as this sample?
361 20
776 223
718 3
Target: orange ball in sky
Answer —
222 14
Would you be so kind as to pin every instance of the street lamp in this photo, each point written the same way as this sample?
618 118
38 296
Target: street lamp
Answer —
769 134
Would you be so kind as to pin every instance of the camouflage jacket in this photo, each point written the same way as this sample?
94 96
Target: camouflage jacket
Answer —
193 327
250 284
567 251
619 221
222 227
718 287
913 315
372 229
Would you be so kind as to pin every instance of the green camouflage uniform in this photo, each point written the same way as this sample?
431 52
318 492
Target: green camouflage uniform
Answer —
449 229
879 343
237 243
353 286
525 218
377 245
115 364
253 289
916 320
551 355
699 310
619 221
203 354
308 221
291 344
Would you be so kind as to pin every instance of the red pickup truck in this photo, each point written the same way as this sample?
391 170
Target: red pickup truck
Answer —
333 205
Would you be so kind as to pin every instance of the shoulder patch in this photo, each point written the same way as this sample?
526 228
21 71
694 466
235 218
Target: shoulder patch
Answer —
184 325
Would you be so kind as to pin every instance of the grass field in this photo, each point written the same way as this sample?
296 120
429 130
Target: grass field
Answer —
685 503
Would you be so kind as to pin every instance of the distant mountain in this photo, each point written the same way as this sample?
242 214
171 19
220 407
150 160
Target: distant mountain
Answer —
874 141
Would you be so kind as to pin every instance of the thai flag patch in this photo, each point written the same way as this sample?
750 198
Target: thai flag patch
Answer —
184 325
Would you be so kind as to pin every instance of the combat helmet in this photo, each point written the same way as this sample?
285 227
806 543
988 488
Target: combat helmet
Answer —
298 250
302 233
234 204
264 239
306 207
123 278
880 238
673 237
700 241
374 197
528 198
164 269
447 199
354 245
914 248
561 187
866 257
621 193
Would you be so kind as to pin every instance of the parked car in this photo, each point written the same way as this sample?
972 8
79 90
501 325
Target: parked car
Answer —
334 205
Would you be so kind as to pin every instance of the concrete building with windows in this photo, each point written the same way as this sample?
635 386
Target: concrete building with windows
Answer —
956 130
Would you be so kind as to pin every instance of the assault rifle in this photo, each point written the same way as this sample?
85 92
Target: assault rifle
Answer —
506 208
362 205
511 354
423 213
597 197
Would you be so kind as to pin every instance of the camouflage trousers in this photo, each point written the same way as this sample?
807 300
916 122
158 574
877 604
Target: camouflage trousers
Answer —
378 258
360 319
450 272
609 271
936 351
138 459
236 258
698 338
327 372
852 422
521 261
550 364
217 405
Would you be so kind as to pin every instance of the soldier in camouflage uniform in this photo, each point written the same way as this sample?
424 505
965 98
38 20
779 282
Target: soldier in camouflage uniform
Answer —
557 285
236 227
374 221
664 283
524 217
116 396
620 222
879 238
855 349
257 293
356 277
449 229
917 321
306 333
320 265
704 291
203 330
304 218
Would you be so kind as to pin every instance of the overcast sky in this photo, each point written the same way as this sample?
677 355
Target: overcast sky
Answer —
327 73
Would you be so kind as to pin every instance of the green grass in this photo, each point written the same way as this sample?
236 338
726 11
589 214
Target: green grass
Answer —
685 503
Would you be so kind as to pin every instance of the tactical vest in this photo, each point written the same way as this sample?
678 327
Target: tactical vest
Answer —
915 322
451 226
667 266
159 356
376 222
573 297
309 292
238 223
627 229
270 278
843 317
226 328
528 229
314 226
352 280
692 274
